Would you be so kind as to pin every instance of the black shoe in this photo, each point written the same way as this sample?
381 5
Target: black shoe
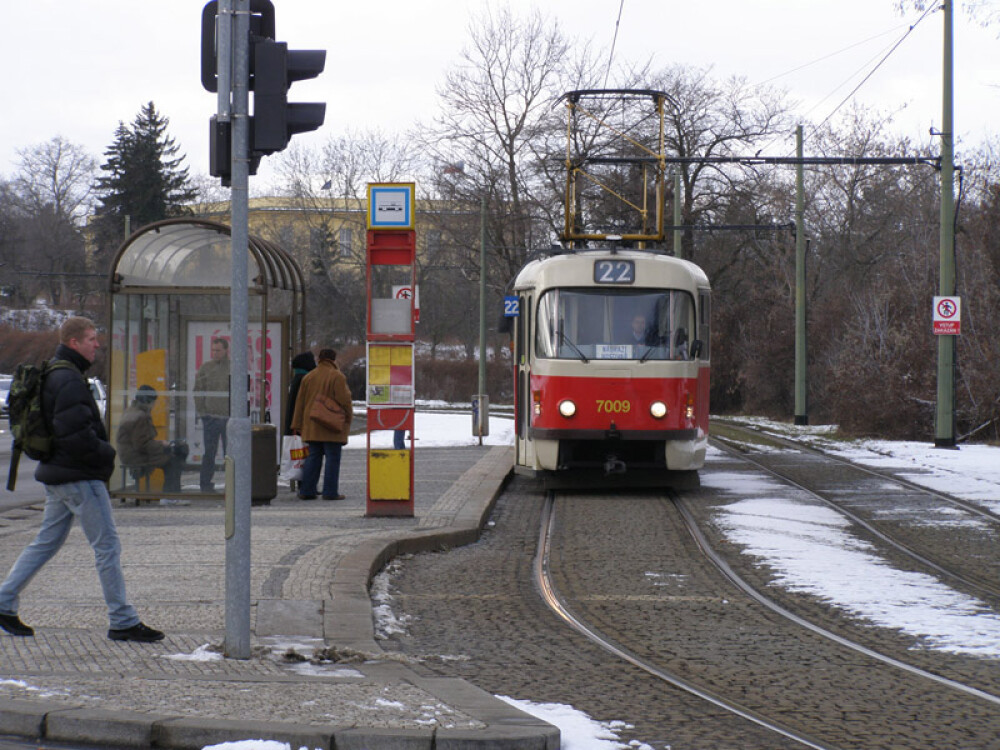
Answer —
307 497
139 633
333 497
13 625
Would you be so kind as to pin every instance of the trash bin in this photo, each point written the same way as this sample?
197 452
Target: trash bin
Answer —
264 463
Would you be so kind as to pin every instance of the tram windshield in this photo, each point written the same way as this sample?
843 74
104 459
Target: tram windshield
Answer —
638 324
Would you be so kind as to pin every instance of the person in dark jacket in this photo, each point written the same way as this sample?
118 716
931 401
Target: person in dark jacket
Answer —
302 365
139 448
75 479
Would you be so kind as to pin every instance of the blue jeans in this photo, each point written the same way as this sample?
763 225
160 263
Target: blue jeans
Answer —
214 428
89 500
313 463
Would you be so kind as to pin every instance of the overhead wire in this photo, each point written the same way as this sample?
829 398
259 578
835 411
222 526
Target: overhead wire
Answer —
932 9
884 57
614 41
849 47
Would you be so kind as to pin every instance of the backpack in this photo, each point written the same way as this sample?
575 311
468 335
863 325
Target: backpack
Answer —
31 431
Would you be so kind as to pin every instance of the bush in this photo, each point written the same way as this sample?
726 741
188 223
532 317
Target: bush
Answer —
25 346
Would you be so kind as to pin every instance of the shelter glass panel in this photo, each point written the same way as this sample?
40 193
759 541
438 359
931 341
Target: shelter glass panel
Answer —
170 389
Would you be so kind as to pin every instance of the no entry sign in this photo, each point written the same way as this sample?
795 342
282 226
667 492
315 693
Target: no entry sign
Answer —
948 316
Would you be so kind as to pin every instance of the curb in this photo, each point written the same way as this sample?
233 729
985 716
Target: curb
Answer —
348 615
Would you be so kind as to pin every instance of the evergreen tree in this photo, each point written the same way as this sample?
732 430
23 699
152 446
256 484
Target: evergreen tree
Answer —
143 178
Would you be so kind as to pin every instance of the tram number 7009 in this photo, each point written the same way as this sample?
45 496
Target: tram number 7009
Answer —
614 272
609 406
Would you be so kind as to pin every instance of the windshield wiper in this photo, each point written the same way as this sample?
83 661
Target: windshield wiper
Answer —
564 338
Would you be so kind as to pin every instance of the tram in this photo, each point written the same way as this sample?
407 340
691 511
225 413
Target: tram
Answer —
612 362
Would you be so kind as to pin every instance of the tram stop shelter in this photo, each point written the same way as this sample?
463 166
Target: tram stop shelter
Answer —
168 394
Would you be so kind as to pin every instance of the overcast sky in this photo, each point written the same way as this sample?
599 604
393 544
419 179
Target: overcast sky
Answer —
78 68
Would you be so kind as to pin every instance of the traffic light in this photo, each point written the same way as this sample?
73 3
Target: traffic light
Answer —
273 69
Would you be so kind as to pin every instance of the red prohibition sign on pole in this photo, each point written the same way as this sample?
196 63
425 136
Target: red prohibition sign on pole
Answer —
404 293
947 308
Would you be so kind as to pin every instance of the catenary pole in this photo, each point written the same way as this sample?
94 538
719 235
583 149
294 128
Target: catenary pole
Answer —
678 234
237 640
944 434
801 373
482 316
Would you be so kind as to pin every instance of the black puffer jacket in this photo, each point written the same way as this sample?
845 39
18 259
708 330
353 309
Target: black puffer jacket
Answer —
82 450
302 365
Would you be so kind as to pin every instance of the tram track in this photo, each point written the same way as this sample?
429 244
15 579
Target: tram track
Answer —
561 608
626 565
676 675
955 569
757 433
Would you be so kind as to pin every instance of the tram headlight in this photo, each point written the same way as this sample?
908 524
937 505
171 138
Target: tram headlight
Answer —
658 409
567 408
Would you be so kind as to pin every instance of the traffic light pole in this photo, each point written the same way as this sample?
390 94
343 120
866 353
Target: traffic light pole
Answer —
232 33
237 640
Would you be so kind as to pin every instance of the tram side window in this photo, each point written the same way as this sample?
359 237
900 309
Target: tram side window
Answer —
704 327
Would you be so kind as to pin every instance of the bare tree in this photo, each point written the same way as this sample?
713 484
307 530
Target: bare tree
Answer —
984 12
495 104
49 198
327 188
715 119
56 175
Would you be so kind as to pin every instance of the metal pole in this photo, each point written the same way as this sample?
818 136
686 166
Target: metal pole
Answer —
237 641
801 373
482 315
944 436
678 234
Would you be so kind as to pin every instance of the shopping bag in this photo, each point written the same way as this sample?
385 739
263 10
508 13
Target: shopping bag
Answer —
293 455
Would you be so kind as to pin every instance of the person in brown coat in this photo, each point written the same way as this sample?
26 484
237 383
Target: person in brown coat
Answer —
326 380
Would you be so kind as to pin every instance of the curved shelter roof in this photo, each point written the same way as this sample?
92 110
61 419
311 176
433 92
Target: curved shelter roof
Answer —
188 253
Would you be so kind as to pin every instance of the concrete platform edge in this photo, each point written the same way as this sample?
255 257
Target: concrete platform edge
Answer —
347 623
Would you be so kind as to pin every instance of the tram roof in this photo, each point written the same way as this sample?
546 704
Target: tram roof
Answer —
565 269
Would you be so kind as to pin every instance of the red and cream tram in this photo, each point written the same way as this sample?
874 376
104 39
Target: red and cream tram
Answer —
611 368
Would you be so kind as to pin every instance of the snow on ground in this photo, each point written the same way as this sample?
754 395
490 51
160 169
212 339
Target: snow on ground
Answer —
811 548
435 430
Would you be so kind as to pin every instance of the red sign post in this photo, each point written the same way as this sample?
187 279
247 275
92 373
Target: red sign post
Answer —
390 393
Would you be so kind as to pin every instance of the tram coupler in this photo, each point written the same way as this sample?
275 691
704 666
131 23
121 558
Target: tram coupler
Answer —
614 465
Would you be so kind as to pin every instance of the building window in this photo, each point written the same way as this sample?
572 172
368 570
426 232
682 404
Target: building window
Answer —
344 242
433 240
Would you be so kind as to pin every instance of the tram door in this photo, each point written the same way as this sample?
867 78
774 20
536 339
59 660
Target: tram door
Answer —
524 450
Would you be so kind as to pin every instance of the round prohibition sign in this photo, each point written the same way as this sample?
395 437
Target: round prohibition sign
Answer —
946 308
404 293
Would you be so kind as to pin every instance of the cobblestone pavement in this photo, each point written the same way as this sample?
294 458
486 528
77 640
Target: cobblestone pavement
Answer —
310 566
625 564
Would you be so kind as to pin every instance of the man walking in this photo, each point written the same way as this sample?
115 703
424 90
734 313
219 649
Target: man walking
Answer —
75 479
211 402
324 442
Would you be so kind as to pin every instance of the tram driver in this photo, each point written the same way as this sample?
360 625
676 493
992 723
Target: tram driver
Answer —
642 333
